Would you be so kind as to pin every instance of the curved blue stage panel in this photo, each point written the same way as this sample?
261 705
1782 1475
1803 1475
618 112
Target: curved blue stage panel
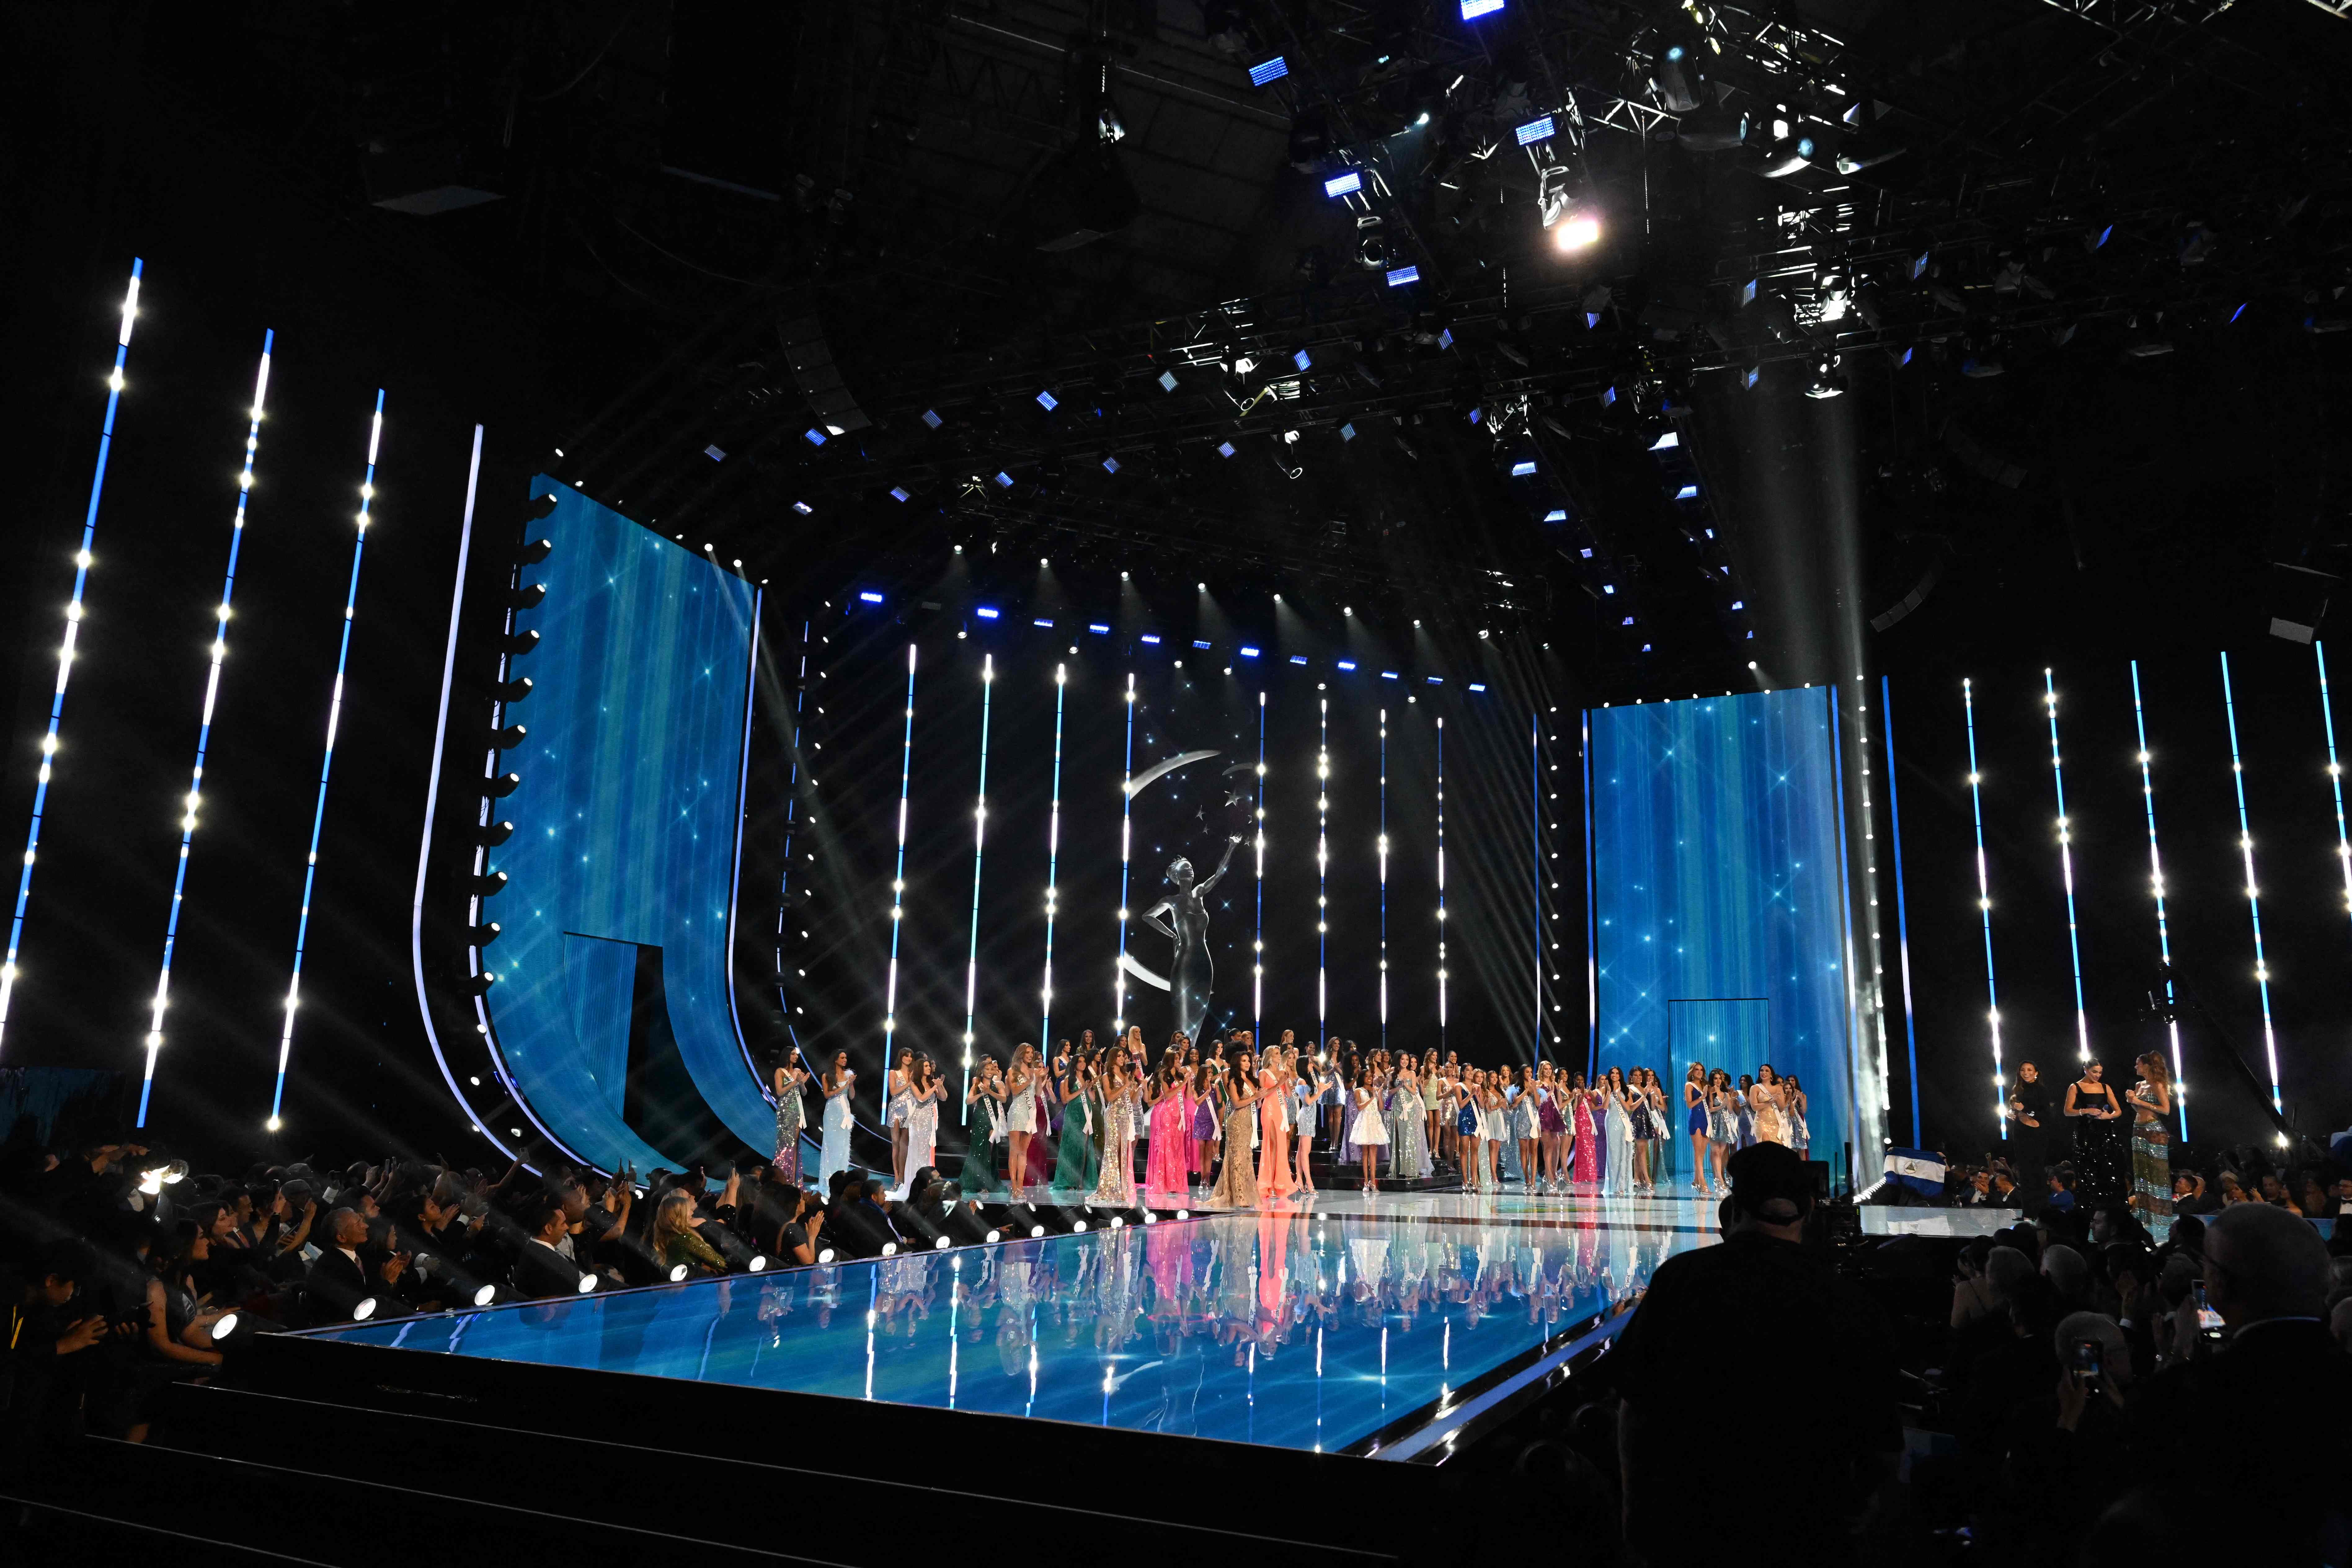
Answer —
1720 898
612 959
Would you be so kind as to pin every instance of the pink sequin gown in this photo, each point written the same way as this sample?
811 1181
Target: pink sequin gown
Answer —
1167 1168
1585 1166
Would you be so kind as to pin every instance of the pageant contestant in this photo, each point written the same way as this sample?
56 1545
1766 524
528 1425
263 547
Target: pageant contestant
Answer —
1168 1163
985 1113
1800 1137
1552 1128
925 1090
1306 1094
895 1104
1075 1170
1620 1116
1722 1127
1237 1185
1274 1177
1371 1133
1117 1184
838 1084
1771 1117
1695 1114
1584 1161
791 1115
1526 1126
1408 1150
1020 1086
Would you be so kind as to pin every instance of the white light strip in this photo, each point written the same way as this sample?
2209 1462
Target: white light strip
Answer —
2254 889
2335 772
432 802
1441 884
979 842
1877 1002
1984 907
326 766
2155 886
1383 843
66 648
1322 870
1257 953
898 875
2067 870
212 695
1053 875
1125 844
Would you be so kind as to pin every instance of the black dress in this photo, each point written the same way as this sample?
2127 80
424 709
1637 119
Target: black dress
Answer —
2102 1164
2029 1147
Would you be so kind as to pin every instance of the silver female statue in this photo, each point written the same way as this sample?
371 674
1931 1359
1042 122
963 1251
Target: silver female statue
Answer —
1193 974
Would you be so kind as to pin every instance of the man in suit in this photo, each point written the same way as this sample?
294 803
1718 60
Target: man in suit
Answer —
339 1279
540 1268
2272 1370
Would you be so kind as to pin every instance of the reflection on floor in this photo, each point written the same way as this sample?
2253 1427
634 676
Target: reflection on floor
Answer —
1372 1323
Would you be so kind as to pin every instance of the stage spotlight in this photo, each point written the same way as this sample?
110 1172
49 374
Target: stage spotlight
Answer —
759 1264
588 1282
521 643
510 737
1789 152
530 595
1829 379
482 935
364 1310
938 1243
890 1249
1715 129
476 985
224 1326
1576 230
483 1295
491 835
511 690
501 786
824 1254
677 1272
487 887
538 550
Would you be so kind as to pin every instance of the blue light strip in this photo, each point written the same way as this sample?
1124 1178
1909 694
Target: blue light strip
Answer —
1125 850
2254 889
1984 908
2155 886
1053 872
212 695
1384 878
1535 840
1902 918
66 650
319 811
1441 884
898 875
1257 946
1854 1035
1592 936
979 843
2335 774
1322 872
2067 870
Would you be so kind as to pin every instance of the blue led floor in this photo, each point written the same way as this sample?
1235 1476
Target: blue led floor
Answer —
1306 1329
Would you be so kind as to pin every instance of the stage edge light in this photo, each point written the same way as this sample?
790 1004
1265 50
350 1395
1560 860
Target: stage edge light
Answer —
212 694
66 648
2156 887
1984 908
2335 773
979 843
2067 870
319 810
2254 889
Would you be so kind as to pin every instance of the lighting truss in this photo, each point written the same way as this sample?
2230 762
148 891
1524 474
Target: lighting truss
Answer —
66 650
2066 868
2254 889
1984 908
319 810
2155 886
212 694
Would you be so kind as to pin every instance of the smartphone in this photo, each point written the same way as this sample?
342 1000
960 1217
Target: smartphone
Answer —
2087 1365
2209 1321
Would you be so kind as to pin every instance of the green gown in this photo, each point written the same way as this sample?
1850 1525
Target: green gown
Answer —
1078 1163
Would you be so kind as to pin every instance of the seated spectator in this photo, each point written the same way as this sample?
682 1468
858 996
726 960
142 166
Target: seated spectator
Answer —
2005 1193
674 1241
2214 1489
339 1279
541 1267
2062 1189
796 1238
2189 1195
2070 1279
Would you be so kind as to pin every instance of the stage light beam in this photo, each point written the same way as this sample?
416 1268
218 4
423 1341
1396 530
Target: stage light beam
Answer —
2066 868
1984 903
979 843
2155 886
898 875
2254 888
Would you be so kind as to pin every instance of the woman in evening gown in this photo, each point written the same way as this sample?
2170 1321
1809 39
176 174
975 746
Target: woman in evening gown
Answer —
1168 1165
1237 1185
925 1090
791 1116
1722 1127
1408 1143
1207 1080
1695 1114
1550 1125
838 1084
1584 1158
1116 1184
1371 1132
985 1103
1771 1114
2151 1144
1800 1137
1619 1119
895 1105
1743 1110
1022 1083
1075 1171
1306 1093
1526 1121
1274 1178
2101 1168
1637 1110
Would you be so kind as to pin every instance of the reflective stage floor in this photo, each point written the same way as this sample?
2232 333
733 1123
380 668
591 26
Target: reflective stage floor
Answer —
1382 1325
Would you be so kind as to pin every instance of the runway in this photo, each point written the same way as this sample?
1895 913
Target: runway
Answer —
1387 1326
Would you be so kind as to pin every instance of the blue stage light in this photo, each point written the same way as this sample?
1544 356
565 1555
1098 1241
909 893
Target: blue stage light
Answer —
1401 276
985 614
1382 845
1274 69
1436 680
870 597
802 508
1902 919
1539 130
814 436
1110 465
932 418
1557 514
1224 449
1688 492
1302 360
1126 855
2155 886
1198 643
1346 184
1048 402
66 650
1098 629
1739 604
212 695
979 843
1347 432
1474 9
1322 870
1167 380
1004 478
1041 621
1053 866
1984 908
1257 946
1523 467
2335 774
1626 622
1249 653
898 492
319 812
2254 889
1666 442
1477 686
1153 637
1608 587
1347 664
1388 675
1441 884
1299 659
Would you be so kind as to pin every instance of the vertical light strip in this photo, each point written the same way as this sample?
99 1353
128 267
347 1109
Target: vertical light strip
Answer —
742 812
66 648
978 841
792 826
1984 908
1322 872
1257 942
2335 776
898 875
1592 922
1384 878
432 800
1854 1034
318 810
1902 917
2067 870
1874 993
1126 848
1441 884
2254 889
1052 882
212 695
1535 840
2155 886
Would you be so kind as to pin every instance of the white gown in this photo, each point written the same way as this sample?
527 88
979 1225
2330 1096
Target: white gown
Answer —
835 1155
922 1140
1618 1180
1371 1128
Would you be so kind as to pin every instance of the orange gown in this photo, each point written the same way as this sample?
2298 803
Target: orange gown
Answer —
1275 1176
